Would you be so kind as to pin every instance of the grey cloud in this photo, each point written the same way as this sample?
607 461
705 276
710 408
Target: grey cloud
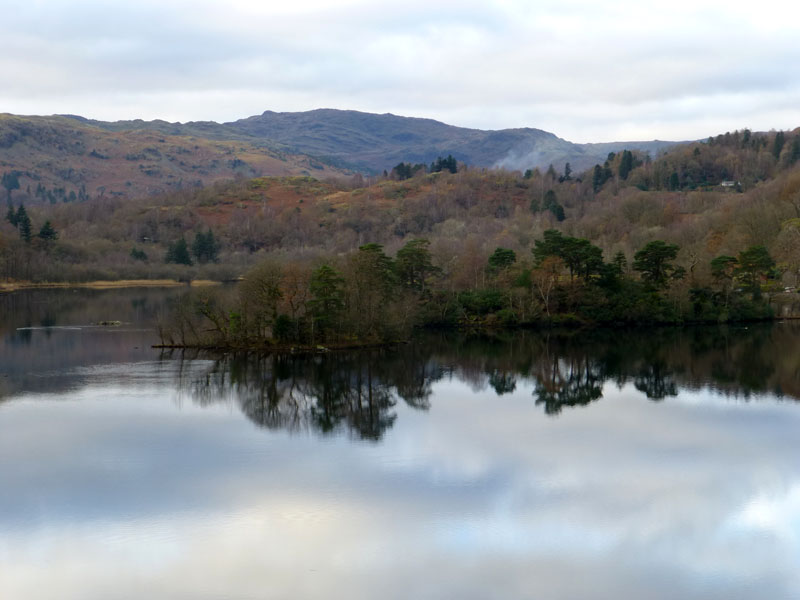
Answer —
503 496
631 68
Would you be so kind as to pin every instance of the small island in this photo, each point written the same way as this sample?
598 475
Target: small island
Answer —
367 297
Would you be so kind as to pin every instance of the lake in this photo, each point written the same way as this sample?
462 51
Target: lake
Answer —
659 463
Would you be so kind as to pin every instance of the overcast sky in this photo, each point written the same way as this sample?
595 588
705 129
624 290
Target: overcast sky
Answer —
586 70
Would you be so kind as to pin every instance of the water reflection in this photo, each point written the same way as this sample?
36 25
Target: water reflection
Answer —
357 391
49 337
351 391
129 475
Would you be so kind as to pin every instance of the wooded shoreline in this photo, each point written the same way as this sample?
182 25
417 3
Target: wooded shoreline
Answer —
471 329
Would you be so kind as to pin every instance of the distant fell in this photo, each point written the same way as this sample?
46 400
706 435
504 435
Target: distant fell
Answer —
71 154
63 157
370 142
374 142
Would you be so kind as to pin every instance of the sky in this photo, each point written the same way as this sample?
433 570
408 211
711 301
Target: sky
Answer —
587 71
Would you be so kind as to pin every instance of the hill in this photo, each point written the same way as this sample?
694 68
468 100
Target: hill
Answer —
717 197
376 142
372 143
67 158
68 155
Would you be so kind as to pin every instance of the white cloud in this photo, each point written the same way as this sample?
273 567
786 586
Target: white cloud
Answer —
587 71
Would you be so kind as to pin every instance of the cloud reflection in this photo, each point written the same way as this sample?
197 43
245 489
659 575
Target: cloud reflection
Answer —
158 490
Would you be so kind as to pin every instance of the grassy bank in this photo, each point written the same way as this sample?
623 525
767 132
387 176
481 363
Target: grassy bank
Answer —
13 286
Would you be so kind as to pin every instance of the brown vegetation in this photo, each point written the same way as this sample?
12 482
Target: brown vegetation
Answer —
464 215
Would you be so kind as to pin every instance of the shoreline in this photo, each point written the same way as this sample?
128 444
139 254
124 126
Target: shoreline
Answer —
301 349
14 286
297 349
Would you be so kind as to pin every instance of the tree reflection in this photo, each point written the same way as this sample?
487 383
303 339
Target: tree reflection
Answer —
569 381
358 392
354 391
655 381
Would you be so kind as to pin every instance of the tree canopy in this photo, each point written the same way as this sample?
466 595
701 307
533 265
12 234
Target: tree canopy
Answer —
653 262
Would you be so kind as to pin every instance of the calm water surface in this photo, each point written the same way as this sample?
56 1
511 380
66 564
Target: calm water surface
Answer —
658 464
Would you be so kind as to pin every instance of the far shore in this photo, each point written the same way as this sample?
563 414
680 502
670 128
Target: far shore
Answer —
13 286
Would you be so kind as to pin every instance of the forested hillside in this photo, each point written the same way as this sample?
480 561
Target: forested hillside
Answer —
711 198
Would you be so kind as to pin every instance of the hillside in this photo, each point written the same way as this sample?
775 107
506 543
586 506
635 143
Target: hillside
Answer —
65 158
711 198
137 158
376 142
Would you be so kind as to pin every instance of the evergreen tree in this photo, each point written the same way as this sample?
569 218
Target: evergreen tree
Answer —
11 215
327 296
597 178
653 262
23 224
777 145
794 152
444 164
402 171
723 269
205 247
178 253
581 257
551 204
10 181
501 258
413 264
551 244
619 262
374 268
48 233
674 182
746 134
625 164
137 254
753 265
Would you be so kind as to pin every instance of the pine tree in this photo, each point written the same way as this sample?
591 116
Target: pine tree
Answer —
327 296
654 263
178 253
10 181
205 247
777 145
47 233
597 178
551 203
11 215
625 164
754 263
413 265
501 258
794 153
137 254
23 224
619 262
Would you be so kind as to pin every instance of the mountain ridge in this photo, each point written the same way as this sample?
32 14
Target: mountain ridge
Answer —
71 153
373 142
